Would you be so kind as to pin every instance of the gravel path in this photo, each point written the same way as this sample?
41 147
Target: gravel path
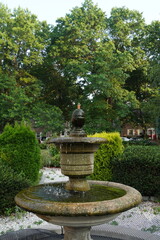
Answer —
145 217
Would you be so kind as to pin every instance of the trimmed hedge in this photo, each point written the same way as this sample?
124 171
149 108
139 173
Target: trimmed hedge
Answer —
141 142
103 156
10 184
139 167
19 148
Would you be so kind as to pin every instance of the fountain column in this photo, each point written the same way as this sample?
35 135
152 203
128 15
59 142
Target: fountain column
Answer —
77 157
78 233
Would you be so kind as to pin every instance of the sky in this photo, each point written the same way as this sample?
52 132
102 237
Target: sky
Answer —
51 10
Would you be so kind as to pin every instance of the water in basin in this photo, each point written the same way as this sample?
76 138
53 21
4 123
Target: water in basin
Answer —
57 193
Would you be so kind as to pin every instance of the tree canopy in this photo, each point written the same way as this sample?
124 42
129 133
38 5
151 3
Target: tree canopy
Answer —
109 64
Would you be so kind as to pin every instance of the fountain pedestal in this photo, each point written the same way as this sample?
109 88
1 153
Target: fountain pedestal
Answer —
72 233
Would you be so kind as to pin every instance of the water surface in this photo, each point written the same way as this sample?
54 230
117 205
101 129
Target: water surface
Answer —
57 193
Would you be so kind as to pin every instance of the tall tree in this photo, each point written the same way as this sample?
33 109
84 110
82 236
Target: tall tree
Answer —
152 48
23 41
74 39
151 43
88 59
17 105
13 101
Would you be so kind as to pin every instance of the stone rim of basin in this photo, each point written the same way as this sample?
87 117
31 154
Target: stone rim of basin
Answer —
45 207
73 140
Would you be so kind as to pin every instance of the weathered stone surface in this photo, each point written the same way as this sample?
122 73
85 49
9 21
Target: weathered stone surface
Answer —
78 184
77 164
77 144
77 159
77 233
28 201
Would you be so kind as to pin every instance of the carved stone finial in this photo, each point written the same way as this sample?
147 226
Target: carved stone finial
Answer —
78 120
78 105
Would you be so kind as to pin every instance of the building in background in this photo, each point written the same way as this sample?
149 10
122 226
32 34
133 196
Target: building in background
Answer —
132 131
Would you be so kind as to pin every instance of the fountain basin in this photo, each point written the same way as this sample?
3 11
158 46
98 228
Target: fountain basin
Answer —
33 203
59 205
77 218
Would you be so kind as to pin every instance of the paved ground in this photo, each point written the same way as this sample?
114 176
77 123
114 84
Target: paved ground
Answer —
98 233
34 234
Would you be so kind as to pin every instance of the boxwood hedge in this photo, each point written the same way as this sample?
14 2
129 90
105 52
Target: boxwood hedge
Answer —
139 167
20 149
10 184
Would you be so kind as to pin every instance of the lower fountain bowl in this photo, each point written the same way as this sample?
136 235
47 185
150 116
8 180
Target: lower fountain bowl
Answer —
80 221
28 200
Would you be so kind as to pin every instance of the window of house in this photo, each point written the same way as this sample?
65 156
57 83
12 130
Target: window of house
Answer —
130 132
149 132
140 131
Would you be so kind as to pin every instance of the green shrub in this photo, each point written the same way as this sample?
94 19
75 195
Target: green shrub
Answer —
139 167
142 142
56 160
50 157
103 156
55 154
10 184
53 150
43 146
19 148
46 158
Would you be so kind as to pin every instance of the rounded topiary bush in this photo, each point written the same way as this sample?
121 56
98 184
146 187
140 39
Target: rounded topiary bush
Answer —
139 167
104 155
10 184
19 148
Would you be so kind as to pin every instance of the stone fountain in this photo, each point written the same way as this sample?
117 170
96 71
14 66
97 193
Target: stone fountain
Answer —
78 204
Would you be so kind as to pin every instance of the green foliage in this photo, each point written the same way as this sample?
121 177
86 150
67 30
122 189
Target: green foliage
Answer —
50 157
23 42
11 183
139 167
151 229
104 155
136 82
21 46
43 146
109 64
14 102
124 25
56 161
19 148
17 103
53 150
151 43
96 58
47 117
142 142
46 158
55 155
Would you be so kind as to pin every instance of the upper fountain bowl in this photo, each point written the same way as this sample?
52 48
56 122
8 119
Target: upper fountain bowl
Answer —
77 159
77 144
